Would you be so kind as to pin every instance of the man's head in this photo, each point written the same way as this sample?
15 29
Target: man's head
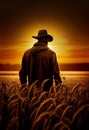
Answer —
43 36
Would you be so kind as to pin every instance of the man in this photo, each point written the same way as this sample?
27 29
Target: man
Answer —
40 62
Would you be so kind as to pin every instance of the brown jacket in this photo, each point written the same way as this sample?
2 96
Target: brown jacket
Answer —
39 63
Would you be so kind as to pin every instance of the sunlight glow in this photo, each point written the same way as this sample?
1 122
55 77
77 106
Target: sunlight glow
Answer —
59 41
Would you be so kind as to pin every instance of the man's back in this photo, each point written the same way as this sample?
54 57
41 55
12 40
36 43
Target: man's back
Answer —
42 63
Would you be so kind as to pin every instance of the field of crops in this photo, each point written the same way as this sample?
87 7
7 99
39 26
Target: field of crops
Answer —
64 107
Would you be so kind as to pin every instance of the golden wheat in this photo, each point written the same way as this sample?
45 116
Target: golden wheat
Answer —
60 126
74 88
52 108
3 88
12 97
14 88
59 109
44 106
12 123
30 89
43 84
13 104
24 92
32 104
68 112
42 96
79 112
40 120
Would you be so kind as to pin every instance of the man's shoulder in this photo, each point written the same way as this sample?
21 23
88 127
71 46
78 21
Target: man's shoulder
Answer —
27 52
51 51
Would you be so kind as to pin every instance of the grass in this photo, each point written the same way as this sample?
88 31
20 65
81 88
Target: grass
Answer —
30 108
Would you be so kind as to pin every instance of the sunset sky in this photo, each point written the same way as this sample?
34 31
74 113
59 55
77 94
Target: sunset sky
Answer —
66 20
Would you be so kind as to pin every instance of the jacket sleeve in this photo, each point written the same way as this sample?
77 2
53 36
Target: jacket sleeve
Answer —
23 72
56 71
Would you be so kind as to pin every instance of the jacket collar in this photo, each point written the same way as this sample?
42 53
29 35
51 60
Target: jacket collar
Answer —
38 47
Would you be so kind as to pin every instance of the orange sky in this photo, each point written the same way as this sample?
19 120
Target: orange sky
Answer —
66 21
67 51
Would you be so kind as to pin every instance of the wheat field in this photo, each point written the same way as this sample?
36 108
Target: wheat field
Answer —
25 107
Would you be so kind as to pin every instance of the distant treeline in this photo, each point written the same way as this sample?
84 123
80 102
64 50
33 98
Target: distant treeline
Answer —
75 67
9 67
63 66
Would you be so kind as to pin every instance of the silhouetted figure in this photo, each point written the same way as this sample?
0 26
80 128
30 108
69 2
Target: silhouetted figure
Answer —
40 62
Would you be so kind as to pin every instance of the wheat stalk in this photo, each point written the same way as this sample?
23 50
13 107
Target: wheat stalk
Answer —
66 110
13 104
30 89
23 86
39 119
3 88
59 109
24 92
12 123
77 113
42 96
13 88
43 84
12 97
44 106
74 88
60 125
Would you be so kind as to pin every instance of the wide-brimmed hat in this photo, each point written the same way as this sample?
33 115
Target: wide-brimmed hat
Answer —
43 33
